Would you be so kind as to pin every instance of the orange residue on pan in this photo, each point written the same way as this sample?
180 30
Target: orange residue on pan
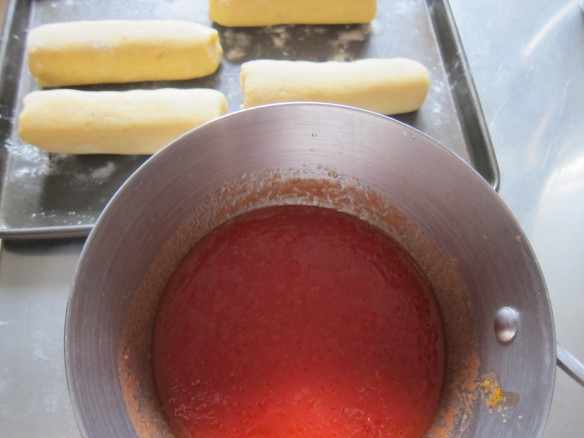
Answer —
492 394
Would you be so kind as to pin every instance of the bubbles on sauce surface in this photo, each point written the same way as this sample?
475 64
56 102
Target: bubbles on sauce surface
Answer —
298 321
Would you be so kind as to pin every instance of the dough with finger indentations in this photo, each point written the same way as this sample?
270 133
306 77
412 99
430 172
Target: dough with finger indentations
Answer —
119 51
387 86
267 13
115 122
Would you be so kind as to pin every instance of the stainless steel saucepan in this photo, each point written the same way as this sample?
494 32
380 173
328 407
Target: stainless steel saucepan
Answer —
501 352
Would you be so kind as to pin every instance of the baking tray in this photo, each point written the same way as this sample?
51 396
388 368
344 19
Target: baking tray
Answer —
56 195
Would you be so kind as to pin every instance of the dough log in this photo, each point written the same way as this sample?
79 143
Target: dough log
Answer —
114 122
267 13
110 51
388 86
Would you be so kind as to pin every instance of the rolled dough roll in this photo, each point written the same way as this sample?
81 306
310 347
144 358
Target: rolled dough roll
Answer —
114 122
110 51
388 86
267 13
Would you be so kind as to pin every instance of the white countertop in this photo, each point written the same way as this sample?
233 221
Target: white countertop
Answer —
527 60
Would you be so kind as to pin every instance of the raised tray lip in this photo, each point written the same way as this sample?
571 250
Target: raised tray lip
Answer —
51 232
466 100
486 164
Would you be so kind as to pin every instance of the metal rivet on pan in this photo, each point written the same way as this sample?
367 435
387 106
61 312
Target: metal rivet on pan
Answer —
506 324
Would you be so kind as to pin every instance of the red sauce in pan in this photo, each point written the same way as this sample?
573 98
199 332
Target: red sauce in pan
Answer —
298 321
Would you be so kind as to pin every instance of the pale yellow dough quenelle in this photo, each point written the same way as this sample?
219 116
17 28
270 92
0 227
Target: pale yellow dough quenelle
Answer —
112 51
388 86
267 13
115 122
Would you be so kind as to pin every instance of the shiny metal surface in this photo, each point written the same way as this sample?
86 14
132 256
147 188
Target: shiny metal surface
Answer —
570 364
432 187
527 61
506 324
58 195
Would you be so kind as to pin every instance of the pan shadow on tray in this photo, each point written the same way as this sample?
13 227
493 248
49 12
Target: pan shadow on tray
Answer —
83 184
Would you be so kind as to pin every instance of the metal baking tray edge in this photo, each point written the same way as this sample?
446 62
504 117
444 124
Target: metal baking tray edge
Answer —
464 91
475 130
